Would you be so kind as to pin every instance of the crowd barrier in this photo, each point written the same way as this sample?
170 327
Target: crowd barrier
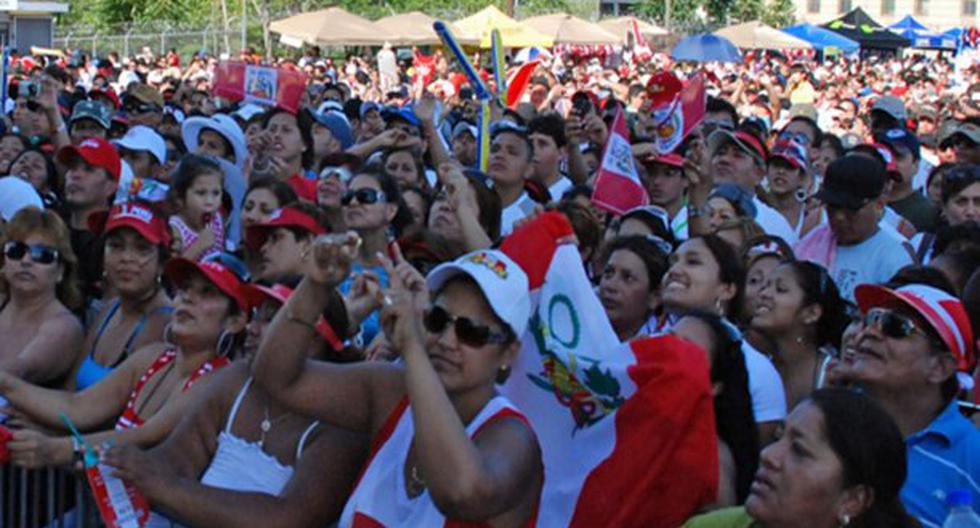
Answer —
44 498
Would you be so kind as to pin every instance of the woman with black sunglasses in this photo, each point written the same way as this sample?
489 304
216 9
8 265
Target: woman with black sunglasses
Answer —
445 446
41 337
148 393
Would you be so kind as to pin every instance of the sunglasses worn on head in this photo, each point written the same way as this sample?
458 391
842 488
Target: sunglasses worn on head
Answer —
366 196
891 324
437 319
40 254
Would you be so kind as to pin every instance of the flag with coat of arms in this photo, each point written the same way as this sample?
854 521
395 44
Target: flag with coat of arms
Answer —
677 108
617 186
627 430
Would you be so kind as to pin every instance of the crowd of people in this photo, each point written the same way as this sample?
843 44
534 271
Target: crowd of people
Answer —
267 317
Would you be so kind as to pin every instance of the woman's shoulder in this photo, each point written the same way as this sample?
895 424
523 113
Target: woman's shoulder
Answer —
735 517
61 319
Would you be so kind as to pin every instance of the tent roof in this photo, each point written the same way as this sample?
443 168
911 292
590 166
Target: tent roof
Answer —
332 27
621 25
567 29
908 22
408 29
860 27
823 38
475 29
756 35
921 36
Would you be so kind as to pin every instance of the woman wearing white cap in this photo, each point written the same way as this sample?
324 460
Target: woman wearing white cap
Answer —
218 136
445 446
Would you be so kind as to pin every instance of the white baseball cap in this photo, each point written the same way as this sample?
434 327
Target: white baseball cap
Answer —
144 138
224 125
502 281
16 194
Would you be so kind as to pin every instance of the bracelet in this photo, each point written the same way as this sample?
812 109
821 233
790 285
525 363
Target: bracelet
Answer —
77 451
694 211
302 322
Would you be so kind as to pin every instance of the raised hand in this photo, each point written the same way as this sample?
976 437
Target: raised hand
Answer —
333 255
404 302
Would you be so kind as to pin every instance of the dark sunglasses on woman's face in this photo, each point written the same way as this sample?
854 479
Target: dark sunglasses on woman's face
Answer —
40 254
437 319
891 324
366 196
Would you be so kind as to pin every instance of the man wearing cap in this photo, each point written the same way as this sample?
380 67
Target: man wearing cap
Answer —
914 354
667 188
144 150
510 164
372 123
854 248
143 105
903 198
331 134
285 240
464 143
93 173
739 157
88 120
887 112
964 139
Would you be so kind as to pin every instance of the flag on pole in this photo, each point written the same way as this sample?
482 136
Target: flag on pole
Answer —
677 108
627 430
617 185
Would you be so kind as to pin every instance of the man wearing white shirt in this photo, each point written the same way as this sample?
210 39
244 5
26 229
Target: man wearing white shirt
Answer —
510 164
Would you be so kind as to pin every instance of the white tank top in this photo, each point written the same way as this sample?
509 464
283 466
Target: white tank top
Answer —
240 465
380 497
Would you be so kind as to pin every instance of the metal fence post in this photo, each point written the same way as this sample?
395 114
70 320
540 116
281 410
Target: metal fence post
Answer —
129 31
95 49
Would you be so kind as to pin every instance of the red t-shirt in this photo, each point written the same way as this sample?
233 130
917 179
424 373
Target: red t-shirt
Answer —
304 187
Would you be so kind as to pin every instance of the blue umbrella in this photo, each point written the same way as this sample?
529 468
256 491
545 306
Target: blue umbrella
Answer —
706 48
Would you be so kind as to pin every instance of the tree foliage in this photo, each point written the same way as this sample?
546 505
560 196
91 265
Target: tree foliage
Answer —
780 13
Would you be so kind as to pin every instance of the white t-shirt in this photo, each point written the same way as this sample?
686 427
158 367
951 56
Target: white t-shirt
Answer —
765 386
678 224
558 188
773 222
521 207
873 261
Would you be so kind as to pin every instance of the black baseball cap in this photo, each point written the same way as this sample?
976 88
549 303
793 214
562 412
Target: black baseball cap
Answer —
851 182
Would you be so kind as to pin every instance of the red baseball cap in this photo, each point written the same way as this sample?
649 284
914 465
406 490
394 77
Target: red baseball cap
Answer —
672 159
108 92
94 151
179 270
944 313
256 293
256 235
150 225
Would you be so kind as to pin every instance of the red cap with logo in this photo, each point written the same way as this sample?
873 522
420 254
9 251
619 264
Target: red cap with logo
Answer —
144 220
256 235
256 293
97 152
179 270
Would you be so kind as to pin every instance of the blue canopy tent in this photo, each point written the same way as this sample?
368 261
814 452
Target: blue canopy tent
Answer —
921 36
823 38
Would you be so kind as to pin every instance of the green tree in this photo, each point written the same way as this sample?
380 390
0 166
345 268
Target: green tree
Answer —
780 13
746 10
683 13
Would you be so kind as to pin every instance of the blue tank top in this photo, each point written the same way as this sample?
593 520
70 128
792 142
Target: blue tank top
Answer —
90 372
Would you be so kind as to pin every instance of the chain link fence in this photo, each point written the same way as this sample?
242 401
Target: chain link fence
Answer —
159 39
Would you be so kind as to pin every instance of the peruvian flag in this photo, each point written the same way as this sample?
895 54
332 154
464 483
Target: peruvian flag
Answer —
268 85
678 108
617 185
518 81
425 68
627 430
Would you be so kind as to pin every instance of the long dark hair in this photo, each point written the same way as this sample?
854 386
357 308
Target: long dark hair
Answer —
819 288
734 418
871 451
730 270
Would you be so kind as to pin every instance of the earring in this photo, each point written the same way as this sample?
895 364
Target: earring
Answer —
799 340
225 343
168 334
845 520
503 373
719 308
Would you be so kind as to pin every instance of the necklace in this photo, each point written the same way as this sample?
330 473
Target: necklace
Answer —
417 482
266 425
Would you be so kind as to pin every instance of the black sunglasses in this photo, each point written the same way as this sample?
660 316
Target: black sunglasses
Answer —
366 196
437 319
41 254
141 108
891 324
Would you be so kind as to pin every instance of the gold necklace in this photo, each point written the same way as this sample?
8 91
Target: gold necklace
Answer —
417 482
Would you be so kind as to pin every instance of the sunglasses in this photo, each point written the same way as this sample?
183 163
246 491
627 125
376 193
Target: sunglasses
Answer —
437 319
340 172
891 324
366 196
141 108
40 254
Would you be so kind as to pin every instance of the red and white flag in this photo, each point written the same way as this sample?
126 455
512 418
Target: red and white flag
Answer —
518 81
681 108
617 185
627 430
266 85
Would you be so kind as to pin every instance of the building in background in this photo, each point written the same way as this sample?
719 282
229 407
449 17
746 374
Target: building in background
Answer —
25 24
936 14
